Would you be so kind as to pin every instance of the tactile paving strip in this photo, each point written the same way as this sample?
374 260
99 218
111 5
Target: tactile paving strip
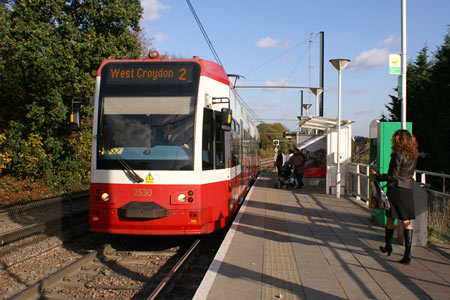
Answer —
281 279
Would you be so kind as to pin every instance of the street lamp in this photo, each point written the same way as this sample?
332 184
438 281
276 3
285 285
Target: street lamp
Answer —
316 92
306 107
339 64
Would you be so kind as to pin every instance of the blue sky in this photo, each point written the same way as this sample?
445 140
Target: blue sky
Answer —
249 36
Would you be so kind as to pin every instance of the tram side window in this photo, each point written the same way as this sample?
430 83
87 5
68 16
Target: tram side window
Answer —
235 144
220 143
207 144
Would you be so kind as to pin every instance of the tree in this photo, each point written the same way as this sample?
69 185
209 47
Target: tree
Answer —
439 116
270 132
394 110
50 52
428 98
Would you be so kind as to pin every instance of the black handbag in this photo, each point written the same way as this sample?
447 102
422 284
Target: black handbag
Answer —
379 198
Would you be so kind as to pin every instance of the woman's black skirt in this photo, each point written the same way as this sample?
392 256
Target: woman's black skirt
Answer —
402 203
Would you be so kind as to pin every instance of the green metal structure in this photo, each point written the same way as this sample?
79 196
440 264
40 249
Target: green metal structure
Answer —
380 154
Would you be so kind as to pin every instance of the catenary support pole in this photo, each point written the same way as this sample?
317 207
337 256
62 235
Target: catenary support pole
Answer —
321 72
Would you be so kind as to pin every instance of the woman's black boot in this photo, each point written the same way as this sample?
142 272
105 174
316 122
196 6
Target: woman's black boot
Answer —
408 235
388 233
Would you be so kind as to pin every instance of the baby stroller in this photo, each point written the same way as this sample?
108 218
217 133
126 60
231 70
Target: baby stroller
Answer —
287 177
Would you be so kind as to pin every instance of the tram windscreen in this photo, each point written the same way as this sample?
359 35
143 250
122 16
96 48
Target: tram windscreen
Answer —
147 125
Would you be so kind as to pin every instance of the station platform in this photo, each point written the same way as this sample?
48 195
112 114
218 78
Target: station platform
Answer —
304 244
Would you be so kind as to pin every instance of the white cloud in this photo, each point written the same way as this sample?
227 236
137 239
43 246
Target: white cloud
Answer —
281 82
161 38
347 91
268 106
152 9
278 83
285 45
370 59
267 42
364 112
389 41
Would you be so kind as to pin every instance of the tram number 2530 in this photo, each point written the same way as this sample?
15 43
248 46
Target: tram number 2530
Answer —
142 192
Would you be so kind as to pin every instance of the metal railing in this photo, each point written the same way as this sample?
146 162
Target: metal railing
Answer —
438 209
423 177
359 181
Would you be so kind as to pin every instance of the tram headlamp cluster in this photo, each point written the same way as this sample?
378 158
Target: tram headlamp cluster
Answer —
105 197
190 194
153 54
99 196
181 198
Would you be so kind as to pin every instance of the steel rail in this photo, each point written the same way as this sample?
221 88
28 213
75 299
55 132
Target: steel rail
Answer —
34 291
70 205
31 205
17 234
161 286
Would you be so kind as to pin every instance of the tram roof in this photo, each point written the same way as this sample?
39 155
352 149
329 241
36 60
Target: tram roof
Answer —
208 68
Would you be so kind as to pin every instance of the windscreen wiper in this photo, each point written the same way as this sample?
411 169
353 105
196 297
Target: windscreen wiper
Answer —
126 167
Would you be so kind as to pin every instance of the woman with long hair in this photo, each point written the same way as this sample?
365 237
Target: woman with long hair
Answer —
400 184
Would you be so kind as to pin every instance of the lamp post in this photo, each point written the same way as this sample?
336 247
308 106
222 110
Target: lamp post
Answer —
339 64
404 66
306 107
316 92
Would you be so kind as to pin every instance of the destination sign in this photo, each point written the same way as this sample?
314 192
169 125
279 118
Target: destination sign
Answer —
148 73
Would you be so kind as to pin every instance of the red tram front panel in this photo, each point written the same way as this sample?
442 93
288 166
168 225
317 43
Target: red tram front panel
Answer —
205 209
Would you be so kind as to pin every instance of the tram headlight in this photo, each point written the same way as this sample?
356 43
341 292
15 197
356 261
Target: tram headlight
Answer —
181 198
105 197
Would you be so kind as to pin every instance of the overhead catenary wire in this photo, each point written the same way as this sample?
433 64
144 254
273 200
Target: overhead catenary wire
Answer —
216 56
283 85
251 112
277 56
295 67
205 35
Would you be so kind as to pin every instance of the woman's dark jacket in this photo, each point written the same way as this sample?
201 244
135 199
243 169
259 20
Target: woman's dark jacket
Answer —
298 161
401 171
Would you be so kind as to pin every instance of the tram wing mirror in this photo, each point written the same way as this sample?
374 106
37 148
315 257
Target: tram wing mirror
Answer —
75 115
75 122
225 119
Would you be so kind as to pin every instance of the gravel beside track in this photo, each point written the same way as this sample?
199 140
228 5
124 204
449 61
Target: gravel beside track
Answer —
132 270
117 275
52 215
23 266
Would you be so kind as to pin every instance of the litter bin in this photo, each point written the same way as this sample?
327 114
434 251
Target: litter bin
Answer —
420 224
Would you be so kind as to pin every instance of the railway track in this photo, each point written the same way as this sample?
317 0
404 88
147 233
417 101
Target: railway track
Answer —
267 164
37 265
50 216
112 274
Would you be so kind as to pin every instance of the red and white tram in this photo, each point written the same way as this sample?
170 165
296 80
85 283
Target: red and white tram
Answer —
173 149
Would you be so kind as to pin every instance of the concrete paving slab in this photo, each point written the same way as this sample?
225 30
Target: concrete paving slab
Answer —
303 244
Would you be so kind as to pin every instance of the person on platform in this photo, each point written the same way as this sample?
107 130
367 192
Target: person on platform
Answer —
279 160
400 183
290 152
298 162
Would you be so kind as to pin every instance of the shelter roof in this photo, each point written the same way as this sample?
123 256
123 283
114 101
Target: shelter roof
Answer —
321 123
